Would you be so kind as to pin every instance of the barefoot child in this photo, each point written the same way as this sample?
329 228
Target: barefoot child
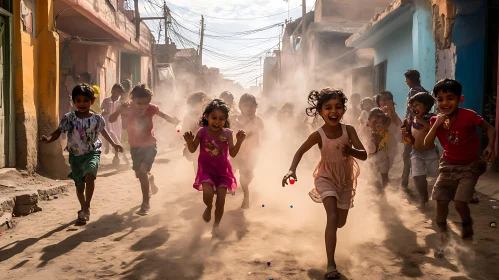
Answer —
424 159
109 106
84 146
214 175
337 172
140 129
253 125
460 166
378 147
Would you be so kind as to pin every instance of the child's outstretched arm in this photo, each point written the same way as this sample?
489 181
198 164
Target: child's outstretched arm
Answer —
168 118
358 151
192 142
234 149
111 141
432 134
49 139
489 152
312 140
114 116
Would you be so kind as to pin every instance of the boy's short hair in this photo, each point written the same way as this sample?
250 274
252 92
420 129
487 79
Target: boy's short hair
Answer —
83 89
118 86
386 93
423 97
248 98
413 76
376 111
141 91
196 98
364 100
446 85
87 76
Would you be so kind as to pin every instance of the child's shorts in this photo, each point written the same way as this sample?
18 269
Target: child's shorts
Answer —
457 182
324 187
379 162
424 163
83 165
143 155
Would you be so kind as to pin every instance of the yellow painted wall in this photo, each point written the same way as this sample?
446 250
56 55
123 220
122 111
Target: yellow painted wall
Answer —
36 86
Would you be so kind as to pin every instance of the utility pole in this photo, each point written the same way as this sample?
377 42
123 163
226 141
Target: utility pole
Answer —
166 14
137 20
201 42
304 28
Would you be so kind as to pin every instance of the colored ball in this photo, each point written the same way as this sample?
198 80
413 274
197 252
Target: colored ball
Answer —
263 205
291 206
292 181
268 263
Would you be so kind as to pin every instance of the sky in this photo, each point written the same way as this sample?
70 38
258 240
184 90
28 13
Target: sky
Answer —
237 55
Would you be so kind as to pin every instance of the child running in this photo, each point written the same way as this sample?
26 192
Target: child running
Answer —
460 166
366 104
384 100
424 159
214 174
140 129
109 106
378 147
337 172
253 125
84 146
195 103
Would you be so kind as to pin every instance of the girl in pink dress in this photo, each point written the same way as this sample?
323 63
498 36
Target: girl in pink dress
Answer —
337 171
214 174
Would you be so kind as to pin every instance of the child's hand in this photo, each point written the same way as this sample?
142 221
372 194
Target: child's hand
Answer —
189 137
118 148
241 135
124 105
489 153
290 174
441 118
44 139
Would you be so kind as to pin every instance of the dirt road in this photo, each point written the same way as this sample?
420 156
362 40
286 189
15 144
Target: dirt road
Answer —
385 238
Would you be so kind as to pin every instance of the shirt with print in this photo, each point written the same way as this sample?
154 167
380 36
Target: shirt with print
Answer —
460 141
140 127
83 134
413 91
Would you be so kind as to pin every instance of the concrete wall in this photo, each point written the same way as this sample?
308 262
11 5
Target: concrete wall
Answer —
423 44
397 50
36 69
468 36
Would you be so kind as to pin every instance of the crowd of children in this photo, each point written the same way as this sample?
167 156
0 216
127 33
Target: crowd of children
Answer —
341 133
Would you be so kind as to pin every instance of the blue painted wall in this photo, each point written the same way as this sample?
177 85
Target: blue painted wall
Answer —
468 34
397 50
423 45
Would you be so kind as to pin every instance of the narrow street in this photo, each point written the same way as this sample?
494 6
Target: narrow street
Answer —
384 238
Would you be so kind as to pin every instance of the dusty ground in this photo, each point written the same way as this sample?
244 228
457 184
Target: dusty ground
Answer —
385 238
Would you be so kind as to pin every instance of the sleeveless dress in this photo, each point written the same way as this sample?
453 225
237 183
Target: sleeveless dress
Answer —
335 175
214 166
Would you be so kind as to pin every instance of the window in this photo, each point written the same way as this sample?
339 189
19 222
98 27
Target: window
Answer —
380 77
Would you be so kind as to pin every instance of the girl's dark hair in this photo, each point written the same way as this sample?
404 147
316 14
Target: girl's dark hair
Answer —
363 101
196 98
385 93
316 99
127 85
425 98
227 95
83 89
375 112
248 98
216 104
448 85
118 86
141 91
413 76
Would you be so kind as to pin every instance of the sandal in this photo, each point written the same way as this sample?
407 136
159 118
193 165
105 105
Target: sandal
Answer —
332 273
467 231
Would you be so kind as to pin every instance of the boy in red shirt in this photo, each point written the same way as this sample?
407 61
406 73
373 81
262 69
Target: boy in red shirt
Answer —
460 166
140 128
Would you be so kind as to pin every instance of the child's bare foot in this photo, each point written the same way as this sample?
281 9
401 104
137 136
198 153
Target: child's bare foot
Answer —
86 214
442 243
332 273
467 231
207 215
81 216
216 232
144 209
245 204
116 160
154 188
